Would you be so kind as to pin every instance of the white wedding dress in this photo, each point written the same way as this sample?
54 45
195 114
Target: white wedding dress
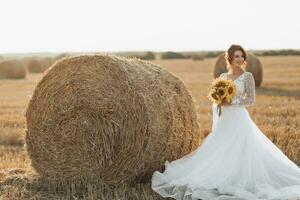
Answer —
236 161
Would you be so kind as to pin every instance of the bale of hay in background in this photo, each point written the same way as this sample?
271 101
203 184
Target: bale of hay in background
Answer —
198 56
38 65
144 56
109 119
253 65
148 56
12 69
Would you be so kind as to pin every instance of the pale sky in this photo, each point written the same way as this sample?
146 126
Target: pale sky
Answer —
155 25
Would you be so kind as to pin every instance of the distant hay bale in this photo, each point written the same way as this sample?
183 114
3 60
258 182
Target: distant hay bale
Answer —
12 69
38 65
143 56
108 118
253 65
148 56
197 56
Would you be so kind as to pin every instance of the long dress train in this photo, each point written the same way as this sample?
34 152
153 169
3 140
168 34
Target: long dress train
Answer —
235 161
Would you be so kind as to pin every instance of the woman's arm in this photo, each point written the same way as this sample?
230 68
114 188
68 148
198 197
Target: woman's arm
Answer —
250 92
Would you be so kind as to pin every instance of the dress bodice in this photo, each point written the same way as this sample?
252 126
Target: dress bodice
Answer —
245 89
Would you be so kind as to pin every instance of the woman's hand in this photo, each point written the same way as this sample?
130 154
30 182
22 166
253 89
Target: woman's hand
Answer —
225 103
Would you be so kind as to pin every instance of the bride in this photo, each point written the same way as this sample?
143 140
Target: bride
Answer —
236 160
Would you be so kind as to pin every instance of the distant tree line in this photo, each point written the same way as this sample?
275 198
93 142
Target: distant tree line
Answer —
148 55
200 55
282 52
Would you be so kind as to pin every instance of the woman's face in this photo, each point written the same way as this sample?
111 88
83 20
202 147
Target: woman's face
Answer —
238 58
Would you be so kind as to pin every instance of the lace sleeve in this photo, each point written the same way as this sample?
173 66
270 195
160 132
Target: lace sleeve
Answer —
250 92
222 75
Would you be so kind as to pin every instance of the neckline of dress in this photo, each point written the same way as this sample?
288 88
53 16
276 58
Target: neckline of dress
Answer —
237 77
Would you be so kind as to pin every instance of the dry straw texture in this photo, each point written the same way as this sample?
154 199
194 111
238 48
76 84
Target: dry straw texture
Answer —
38 65
109 119
12 69
253 65
18 184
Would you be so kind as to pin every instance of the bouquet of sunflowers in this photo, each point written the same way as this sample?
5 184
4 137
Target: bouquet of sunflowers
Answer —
221 90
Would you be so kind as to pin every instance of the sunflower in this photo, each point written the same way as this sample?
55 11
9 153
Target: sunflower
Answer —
231 89
214 96
221 90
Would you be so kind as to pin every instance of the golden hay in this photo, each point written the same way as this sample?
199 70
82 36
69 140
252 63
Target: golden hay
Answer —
24 185
12 69
253 65
38 65
288 142
108 118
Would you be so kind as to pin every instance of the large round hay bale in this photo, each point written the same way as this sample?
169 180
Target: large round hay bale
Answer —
12 69
253 65
108 118
38 65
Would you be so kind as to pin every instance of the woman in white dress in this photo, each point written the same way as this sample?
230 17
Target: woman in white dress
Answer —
236 160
